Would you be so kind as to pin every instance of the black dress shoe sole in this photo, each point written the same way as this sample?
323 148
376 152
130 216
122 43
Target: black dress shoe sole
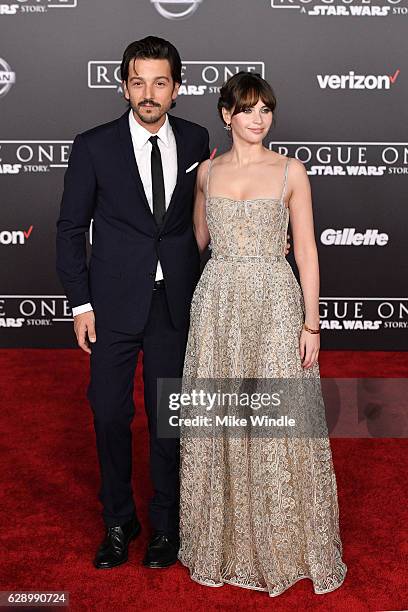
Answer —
111 565
156 565
121 561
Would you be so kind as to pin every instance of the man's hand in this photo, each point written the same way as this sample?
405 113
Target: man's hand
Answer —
287 248
84 327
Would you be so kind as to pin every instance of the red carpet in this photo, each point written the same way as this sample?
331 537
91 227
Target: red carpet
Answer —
51 523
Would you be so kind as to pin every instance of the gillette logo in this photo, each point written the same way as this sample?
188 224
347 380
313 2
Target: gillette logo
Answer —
349 237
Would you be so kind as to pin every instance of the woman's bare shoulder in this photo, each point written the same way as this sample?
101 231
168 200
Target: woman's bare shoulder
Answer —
203 167
278 159
296 163
221 159
297 169
202 171
298 178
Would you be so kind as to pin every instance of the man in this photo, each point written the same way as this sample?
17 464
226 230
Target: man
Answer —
135 177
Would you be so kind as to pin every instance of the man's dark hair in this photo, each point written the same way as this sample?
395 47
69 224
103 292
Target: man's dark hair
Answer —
151 47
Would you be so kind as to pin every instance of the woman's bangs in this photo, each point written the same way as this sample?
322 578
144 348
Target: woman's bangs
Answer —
249 97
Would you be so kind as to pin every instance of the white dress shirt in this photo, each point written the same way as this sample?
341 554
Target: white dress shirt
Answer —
142 148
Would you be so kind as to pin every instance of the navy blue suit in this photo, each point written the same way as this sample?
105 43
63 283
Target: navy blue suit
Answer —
102 182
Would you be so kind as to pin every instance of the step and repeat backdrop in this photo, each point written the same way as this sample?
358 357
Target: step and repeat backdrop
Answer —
339 71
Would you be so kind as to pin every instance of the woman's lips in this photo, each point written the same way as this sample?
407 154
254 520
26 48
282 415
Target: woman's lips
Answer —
256 130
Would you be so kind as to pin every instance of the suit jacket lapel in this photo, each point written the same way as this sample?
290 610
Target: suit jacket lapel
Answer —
127 149
180 167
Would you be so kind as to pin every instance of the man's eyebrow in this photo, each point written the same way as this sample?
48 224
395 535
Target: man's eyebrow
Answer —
155 78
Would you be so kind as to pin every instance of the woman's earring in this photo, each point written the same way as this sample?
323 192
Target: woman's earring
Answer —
227 127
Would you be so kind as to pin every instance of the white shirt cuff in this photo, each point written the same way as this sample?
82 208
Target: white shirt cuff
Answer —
81 309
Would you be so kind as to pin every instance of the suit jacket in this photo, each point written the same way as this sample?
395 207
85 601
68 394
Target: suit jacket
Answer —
103 182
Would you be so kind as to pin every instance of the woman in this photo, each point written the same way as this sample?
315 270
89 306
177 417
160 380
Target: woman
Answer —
257 512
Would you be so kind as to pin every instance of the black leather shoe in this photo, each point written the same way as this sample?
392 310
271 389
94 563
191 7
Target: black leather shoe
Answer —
114 549
161 551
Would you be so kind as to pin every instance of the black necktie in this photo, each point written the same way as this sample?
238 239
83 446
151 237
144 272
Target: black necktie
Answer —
159 198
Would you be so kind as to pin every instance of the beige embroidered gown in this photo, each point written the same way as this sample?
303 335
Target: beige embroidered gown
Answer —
257 513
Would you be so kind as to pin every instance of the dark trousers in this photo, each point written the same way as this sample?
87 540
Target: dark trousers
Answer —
113 363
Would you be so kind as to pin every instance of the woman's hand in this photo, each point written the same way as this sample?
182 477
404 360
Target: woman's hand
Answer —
309 346
287 247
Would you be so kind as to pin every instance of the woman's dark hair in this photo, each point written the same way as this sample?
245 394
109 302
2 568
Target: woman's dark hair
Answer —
243 90
151 47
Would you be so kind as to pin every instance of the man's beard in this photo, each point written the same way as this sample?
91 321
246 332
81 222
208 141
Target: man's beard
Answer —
156 113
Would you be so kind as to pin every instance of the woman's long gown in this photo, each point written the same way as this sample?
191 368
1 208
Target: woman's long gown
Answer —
254 512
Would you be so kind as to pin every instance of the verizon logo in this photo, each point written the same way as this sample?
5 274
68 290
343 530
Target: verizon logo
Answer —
15 236
357 81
